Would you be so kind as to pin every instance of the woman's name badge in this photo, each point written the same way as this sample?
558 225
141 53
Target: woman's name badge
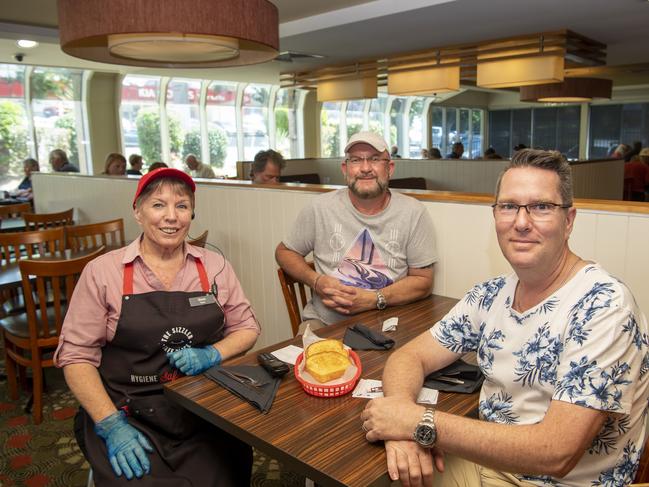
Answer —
202 300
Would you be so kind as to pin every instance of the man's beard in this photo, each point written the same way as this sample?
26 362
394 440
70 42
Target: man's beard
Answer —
368 193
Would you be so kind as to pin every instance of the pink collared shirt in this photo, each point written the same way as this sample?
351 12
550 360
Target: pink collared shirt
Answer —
96 303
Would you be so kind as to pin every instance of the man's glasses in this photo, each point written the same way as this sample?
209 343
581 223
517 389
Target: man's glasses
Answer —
374 160
539 212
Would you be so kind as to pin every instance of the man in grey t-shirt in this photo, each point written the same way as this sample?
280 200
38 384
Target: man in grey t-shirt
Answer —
372 248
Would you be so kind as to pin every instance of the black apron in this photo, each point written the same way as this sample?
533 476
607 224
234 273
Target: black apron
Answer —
188 450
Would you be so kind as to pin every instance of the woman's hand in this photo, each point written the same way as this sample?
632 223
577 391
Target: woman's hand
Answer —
193 361
126 446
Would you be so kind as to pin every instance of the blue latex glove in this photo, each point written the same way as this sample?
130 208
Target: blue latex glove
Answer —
126 446
192 361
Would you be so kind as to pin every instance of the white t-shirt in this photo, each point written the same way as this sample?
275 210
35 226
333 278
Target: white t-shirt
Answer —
587 344
364 251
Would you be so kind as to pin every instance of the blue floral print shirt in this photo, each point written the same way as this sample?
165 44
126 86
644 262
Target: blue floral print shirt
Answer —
587 344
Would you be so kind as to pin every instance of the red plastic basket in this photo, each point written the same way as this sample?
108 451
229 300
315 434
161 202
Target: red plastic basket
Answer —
334 390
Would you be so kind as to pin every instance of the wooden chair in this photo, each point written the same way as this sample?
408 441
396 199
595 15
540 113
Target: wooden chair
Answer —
199 241
35 221
12 211
93 235
291 288
29 337
18 245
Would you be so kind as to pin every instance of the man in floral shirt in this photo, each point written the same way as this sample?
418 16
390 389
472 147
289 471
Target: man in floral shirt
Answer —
562 344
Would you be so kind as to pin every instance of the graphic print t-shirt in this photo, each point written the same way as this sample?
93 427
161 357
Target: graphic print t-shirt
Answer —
369 252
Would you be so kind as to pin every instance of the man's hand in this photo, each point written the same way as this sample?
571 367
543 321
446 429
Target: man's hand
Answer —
391 418
126 446
343 299
412 464
193 361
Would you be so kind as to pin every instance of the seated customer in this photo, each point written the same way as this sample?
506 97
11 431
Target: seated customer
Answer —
456 151
563 347
638 172
198 169
24 189
372 247
136 163
135 322
434 153
115 164
267 167
60 162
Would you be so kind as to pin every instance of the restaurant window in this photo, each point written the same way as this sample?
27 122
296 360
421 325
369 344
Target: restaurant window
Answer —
475 146
286 122
548 128
416 139
183 121
397 125
376 120
255 120
355 116
451 130
15 136
437 129
140 117
222 127
330 129
611 125
500 125
56 111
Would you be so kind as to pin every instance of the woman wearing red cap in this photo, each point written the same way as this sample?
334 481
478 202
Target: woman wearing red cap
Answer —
144 315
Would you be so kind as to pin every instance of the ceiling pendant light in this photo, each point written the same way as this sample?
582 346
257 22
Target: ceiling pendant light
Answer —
170 33
571 90
413 80
357 88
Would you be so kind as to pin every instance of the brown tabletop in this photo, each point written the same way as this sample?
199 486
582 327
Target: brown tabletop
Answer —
14 224
320 438
10 273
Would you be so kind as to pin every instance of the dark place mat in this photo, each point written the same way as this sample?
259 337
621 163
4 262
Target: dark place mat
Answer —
360 337
260 397
469 374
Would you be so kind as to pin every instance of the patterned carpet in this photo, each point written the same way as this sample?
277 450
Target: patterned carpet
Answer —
48 455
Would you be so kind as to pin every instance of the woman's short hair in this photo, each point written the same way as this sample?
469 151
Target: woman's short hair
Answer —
542 159
31 164
112 157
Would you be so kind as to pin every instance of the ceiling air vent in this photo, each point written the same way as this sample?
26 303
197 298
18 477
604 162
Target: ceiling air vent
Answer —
290 56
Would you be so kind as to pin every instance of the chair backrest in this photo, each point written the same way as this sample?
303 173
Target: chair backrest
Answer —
199 241
408 183
94 235
291 289
34 221
47 287
11 211
19 245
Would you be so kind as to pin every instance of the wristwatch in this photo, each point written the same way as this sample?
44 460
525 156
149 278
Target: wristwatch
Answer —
426 433
381 303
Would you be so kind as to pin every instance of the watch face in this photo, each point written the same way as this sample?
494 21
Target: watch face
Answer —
425 435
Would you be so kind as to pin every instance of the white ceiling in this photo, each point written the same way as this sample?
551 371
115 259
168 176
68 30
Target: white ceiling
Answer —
345 30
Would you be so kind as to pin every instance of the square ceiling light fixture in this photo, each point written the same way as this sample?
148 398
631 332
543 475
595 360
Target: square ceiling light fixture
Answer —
503 66
414 80
170 33
342 89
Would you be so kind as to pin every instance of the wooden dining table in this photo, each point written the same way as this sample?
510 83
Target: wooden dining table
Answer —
10 277
320 438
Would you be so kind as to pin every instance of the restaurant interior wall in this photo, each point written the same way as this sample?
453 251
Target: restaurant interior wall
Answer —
468 253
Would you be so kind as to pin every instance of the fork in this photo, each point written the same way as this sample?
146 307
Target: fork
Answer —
243 378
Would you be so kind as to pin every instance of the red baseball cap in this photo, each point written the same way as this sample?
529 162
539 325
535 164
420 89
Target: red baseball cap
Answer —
163 172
